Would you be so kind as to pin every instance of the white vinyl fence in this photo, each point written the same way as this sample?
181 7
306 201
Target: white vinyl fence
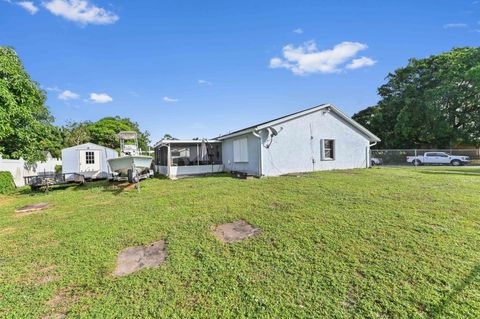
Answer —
20 168
398 157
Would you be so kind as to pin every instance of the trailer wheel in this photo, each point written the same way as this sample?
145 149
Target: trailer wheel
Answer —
130 175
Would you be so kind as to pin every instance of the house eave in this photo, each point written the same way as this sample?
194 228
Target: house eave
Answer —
371 137
238 133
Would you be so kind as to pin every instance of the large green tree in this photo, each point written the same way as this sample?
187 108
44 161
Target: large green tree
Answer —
75 133
103 132
432 102
26 128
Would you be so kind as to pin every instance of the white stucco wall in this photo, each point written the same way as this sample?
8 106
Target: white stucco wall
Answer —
299 141
71 160
250 167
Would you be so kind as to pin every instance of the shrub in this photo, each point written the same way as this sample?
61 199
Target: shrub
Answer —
58 168
6 182
159 176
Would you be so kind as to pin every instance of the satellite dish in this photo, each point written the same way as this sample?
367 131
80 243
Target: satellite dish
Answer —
273 132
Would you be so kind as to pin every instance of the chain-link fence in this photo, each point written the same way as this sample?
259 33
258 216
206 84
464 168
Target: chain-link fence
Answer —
418 157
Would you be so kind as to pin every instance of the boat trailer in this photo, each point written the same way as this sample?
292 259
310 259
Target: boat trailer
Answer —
47 180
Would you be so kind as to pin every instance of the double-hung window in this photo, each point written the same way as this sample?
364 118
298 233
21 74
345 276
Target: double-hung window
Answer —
328 149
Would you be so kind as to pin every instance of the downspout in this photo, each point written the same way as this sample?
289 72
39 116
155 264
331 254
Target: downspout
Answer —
260 163
368 153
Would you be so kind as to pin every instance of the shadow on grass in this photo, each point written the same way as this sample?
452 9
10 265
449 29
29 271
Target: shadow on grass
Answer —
440 308
26 190
72 186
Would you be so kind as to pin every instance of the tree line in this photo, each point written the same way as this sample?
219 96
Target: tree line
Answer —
26 125
430 103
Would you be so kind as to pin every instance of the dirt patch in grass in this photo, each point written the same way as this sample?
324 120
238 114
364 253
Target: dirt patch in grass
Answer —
236 231
46 275
421 309
281 206
7 231
135 258
31 209
123 186
5 200
275 205
61 302
351 299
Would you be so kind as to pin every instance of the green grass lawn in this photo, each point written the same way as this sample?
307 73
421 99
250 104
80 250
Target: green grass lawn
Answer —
377 243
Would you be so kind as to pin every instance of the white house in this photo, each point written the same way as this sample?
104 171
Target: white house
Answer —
88 159
318 138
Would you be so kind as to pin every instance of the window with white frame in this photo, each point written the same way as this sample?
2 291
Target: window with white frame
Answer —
89 157
240 150
328 150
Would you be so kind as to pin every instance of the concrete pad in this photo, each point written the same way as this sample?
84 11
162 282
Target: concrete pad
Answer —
32 208
236 231
133 259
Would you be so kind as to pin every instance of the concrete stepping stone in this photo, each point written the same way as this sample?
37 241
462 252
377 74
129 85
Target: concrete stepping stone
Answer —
236 231
133 259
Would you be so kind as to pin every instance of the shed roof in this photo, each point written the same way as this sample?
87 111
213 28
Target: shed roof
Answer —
87 145
331 107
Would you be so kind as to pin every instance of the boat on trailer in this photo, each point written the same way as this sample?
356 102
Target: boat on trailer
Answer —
131 164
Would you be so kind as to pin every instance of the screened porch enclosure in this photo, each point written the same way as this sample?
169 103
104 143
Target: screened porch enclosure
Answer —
177 157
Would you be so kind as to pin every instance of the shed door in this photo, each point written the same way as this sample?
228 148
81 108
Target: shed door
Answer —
89 160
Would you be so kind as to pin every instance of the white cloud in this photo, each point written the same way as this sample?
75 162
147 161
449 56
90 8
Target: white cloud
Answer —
298 31
100 98
360 63
169 99
80 11
28 5
68 95
53 88
204 82
307 58
454 25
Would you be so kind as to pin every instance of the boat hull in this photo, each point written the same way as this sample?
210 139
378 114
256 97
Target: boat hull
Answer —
121 165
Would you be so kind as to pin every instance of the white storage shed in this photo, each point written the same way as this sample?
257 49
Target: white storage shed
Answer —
88 159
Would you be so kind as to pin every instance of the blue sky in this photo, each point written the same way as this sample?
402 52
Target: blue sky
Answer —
201 68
